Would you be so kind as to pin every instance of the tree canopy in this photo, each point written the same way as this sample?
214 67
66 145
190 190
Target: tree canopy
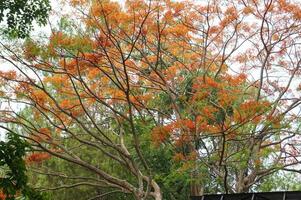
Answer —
159 99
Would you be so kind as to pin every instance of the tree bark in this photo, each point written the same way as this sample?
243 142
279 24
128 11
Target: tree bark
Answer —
196 188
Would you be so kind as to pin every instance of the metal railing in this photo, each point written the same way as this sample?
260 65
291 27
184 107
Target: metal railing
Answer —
285 195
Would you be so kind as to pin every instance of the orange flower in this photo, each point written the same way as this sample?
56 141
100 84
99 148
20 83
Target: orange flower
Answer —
188 123
2 195
159 135
40 96
247 10
178 157
66 104
37 157
93 73
211 82
10 75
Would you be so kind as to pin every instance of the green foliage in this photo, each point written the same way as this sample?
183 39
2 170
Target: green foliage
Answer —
15 179
280 181
174 183
19 15
69 174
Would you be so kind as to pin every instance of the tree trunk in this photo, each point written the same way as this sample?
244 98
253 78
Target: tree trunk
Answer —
196 188
157 191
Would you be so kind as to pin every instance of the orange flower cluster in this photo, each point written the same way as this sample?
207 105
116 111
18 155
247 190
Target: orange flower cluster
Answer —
192 156
40 96
159 135
37 157
184 124
294 9
8 75
251 110
2 195
42 135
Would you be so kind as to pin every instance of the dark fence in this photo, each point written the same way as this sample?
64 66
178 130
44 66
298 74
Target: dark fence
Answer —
252 196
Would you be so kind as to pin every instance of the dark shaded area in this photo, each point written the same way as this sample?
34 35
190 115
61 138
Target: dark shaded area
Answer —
296 195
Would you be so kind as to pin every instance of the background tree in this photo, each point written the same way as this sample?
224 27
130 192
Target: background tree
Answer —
18 16
215 85
13 182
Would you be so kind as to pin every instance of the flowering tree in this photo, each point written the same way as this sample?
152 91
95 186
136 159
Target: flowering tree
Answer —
217 83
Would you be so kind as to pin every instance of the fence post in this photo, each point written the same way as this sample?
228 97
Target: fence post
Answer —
284 196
